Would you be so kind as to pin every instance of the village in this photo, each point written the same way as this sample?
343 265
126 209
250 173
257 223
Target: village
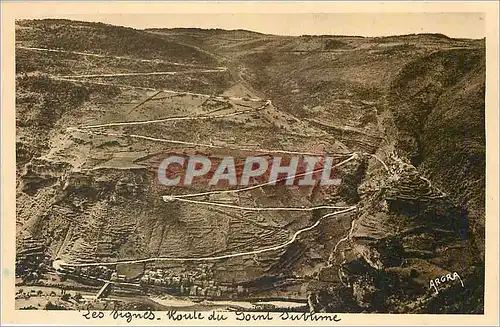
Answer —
198 282
193 283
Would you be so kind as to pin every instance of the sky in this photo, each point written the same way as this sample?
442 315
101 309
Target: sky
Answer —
458 25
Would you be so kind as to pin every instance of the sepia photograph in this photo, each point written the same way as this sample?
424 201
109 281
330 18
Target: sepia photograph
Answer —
267 167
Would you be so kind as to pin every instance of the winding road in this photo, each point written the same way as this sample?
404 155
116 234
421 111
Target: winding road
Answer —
58 264
167 198
61 263
216 97
162 120
98 55
218 70
211 146
352 157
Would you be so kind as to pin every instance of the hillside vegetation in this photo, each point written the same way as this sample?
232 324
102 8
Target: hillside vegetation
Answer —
104 39
438 106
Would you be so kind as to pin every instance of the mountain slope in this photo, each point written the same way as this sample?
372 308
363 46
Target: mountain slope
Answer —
104 39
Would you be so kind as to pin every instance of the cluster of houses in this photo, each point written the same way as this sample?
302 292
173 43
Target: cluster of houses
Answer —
215 291
95 272
101 272
32 293
195 283
168 277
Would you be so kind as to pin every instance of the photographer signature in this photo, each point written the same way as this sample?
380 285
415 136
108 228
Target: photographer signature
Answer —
444 279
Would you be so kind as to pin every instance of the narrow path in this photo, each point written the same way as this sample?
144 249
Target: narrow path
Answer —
442 195
143 102
148 73
258 209
103 289
161 120
381 161
345 238
98 55
211 146
217 97
167 198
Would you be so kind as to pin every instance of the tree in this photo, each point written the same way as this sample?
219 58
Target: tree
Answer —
78 297
51 306
66 297
28 308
